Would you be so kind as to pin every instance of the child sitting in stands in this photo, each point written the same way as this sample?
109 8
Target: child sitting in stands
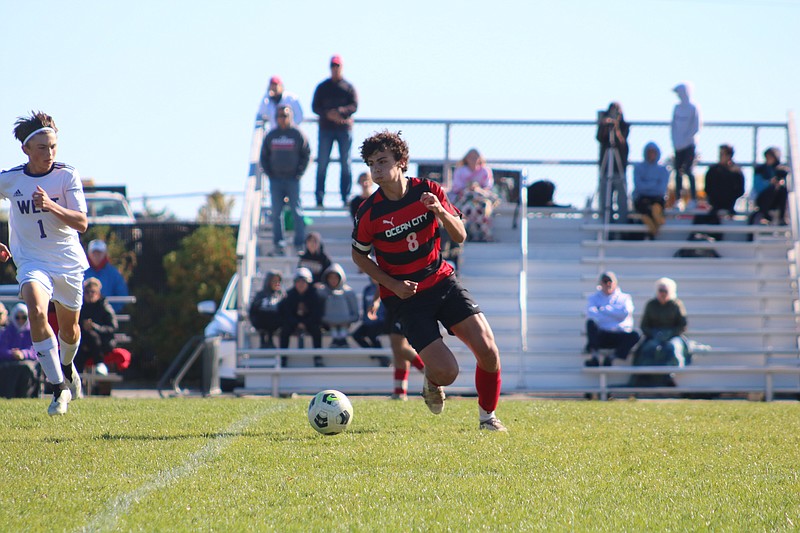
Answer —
340 305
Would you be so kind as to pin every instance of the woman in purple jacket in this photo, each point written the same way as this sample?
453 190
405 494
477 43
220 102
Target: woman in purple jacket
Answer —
15 340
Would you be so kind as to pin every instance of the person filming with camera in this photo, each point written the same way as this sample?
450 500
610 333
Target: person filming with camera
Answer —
612 134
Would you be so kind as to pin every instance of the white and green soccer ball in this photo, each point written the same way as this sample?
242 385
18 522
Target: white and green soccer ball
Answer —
330 412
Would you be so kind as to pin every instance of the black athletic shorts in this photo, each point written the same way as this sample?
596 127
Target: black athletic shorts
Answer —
391 324
419 316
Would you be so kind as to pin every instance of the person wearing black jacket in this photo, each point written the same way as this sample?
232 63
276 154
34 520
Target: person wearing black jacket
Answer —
335 100
301 312
98 324
724 182
724 185
612 134
284 157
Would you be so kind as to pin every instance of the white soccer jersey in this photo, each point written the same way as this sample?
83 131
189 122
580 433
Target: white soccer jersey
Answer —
36 235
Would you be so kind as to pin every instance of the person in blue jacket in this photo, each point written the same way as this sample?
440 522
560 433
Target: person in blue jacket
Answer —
100 267
650 180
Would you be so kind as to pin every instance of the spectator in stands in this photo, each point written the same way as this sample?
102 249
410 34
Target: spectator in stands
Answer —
373 321
19 372
98 325
101 268
15 340
284 157
263 310
684 127
335 101
339 304
472 193
769 188
273 99
724 185
612 134
650 180
365 182
301 312
609 324
541 193
663 325
403 355
314 257
3 316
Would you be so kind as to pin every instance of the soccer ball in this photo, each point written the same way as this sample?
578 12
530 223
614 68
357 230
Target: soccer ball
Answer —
330 412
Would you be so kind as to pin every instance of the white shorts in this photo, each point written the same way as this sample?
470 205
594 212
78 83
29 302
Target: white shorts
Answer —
65 288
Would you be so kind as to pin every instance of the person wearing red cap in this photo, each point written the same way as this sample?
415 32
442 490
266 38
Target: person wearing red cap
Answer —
274 98
335 100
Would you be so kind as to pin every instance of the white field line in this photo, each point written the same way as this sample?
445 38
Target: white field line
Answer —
107 520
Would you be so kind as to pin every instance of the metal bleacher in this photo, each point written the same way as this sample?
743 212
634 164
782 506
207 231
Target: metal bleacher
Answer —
532 284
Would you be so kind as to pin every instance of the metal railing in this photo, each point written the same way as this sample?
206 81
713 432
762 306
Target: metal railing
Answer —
564 152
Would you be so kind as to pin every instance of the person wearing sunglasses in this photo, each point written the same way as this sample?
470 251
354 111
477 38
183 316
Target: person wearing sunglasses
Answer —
663 324
19 375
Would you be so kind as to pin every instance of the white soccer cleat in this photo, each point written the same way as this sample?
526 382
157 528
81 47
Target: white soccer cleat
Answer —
434 396
400 397
61 398
73 381
493 424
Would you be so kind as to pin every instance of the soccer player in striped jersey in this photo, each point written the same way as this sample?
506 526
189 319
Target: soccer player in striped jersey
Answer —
47 211
402 222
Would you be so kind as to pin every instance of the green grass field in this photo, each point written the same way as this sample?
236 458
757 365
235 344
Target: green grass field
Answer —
230 464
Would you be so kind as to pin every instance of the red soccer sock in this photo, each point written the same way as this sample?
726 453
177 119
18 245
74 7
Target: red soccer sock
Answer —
488 387
401 380
417 363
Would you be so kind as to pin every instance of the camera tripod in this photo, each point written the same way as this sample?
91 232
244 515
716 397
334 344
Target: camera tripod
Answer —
612 179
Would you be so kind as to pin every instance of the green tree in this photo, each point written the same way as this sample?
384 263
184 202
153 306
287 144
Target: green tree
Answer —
217 209
199 270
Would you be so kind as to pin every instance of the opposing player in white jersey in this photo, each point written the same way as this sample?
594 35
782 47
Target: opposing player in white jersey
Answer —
47 211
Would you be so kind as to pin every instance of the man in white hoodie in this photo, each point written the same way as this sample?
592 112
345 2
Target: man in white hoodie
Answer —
685 126
609 321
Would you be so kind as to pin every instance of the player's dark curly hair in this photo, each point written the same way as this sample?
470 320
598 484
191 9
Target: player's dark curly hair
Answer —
24 126
386 140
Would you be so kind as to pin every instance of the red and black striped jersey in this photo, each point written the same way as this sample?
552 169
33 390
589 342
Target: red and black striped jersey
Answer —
404 234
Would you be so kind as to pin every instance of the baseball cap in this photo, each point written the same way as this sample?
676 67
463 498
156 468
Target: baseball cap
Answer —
336 60
303 273
276 80
608 276
284 110
97 246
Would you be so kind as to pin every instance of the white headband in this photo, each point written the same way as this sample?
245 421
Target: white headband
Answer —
46 129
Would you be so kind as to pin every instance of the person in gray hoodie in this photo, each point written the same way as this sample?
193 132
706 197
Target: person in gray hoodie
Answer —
285 154
340 305
650 179
685 126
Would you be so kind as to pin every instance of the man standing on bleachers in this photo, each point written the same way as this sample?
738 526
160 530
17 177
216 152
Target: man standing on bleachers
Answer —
609 322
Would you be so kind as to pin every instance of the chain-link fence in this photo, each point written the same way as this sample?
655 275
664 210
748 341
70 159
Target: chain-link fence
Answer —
564 152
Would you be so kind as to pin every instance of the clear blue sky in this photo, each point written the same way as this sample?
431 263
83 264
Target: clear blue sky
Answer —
161 95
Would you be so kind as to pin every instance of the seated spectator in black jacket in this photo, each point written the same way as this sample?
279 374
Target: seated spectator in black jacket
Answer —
769 188
19 371
263 310
724 185
98 324
301 312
